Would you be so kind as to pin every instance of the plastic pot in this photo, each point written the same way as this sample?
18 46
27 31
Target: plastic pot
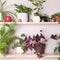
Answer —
39 48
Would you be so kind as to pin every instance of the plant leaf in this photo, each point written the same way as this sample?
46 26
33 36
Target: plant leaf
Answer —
59 37
55 49
35 4
4 2
21 41
11 13
58 58
23 35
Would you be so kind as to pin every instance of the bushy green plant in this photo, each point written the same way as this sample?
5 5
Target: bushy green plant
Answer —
56 14
7 37
21 8
38 5
21 42
4 12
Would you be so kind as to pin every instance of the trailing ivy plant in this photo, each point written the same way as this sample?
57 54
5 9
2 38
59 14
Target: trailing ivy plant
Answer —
7 37
38 5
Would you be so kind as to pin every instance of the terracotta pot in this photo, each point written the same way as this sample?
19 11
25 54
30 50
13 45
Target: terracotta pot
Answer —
56 18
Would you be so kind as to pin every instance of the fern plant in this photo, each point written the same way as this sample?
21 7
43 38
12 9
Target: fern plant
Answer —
6 37
4 12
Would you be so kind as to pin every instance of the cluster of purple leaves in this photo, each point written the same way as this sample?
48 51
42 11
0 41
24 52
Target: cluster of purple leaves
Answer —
35 43
54 37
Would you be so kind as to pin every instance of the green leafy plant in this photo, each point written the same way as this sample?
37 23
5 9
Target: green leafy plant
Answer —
7 37
58 58
38 5
56 14
4 12
21 8
21 42
56 17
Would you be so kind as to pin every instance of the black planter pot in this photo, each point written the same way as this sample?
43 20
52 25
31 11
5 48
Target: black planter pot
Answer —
45 18
39 48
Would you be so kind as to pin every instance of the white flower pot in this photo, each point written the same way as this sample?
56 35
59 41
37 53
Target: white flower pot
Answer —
30 51
36 19
51 44
23 17
19 50
0 16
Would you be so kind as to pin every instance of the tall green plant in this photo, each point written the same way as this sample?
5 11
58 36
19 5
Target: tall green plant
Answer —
6 37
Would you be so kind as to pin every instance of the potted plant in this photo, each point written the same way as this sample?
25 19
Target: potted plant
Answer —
38 6
19 46
44 17
23 12
56 17
36 44
7 37
4 13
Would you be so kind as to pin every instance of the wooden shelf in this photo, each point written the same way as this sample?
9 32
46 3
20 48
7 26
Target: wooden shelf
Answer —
30 23
29 55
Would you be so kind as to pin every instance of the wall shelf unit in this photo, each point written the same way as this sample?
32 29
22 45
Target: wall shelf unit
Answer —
30 55
31 23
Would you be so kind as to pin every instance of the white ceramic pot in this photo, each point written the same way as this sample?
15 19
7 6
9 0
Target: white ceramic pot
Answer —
36 19
51 44
23 17
19 50
30 51
0 16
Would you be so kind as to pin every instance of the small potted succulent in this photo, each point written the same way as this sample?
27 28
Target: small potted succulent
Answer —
56 17
38 7
6 15
23 12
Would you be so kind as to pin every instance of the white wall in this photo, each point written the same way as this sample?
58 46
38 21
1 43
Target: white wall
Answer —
50 7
